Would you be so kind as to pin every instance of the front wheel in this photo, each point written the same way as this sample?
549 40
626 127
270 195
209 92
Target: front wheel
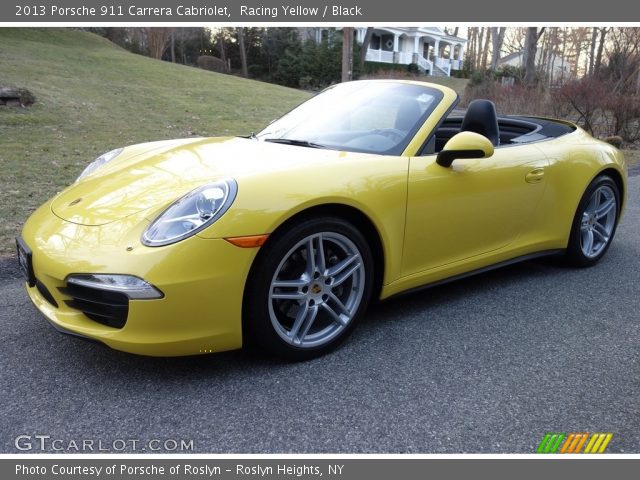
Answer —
595 222
309 287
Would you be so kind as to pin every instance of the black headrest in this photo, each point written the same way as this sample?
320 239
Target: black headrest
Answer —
481 118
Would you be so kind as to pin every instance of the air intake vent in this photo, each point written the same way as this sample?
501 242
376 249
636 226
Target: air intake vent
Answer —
105 307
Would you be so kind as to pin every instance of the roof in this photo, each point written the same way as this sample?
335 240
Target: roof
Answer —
511 56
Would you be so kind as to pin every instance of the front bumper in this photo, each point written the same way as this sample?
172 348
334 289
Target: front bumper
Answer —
202 281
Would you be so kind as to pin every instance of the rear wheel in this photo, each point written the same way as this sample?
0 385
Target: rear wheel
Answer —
595 222
308 288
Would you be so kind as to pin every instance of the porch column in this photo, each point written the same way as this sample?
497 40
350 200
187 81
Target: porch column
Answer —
396 42
436 48
461 54
416 45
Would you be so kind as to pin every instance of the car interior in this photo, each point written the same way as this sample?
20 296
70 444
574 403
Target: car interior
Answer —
481 118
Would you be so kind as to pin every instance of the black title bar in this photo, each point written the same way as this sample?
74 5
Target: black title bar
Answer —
312 11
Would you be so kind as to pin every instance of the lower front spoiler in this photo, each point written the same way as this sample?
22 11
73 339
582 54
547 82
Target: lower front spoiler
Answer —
64 331
164 345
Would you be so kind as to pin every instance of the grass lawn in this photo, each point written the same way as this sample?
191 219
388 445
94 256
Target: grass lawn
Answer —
457 84
92 96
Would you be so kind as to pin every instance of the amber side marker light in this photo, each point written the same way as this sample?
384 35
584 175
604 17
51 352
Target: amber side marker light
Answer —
252 241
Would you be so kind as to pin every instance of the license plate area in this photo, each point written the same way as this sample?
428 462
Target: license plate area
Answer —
25 261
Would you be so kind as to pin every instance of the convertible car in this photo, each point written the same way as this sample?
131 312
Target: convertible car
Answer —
281 239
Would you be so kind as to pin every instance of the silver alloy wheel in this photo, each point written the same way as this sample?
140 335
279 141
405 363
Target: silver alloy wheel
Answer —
316 289
598 221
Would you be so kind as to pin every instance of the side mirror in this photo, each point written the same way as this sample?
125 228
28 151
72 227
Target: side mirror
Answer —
464 145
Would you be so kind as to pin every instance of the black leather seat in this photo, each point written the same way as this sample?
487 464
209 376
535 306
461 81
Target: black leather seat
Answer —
481 118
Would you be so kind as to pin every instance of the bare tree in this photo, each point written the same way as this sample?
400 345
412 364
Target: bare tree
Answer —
365 45
471 47
485 49
497 38
592 51
598 60
347 53
478 53
157 40
578 37
223 53
173 46
623 58
243 52
530 50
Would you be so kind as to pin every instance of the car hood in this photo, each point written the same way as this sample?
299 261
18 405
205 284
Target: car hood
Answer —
151 176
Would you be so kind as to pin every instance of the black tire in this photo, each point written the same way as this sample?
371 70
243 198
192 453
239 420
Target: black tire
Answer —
265 318
574 253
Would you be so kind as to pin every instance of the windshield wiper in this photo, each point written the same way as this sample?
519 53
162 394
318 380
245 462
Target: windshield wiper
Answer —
251 136
297 143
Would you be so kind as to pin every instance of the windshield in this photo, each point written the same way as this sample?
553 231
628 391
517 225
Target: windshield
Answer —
365 116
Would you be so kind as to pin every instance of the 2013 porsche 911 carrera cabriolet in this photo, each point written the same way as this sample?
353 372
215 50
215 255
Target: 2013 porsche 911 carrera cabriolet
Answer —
283 238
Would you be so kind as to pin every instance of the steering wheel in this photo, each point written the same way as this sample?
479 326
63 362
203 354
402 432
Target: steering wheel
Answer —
392 134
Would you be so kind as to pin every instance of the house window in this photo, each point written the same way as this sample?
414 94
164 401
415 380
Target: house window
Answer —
375 42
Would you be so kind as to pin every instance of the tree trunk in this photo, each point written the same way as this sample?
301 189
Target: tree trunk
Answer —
173 46
564 53
347 53
157 38
592 51
365 45
485 50
223 53
243 52
470 46
497 37
554 51
598 61
530 49
480 39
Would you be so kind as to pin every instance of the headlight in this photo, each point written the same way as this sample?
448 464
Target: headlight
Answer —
188 215
99 162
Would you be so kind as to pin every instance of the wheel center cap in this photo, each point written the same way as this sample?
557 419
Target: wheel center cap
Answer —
316 288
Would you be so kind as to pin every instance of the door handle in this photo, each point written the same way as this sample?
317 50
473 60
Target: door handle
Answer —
535 175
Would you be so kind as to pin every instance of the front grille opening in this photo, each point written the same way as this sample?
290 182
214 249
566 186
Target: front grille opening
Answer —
105 307
46 294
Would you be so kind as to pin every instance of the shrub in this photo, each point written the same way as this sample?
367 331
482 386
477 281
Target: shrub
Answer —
587 96
614 140
622 116
588 101
209 62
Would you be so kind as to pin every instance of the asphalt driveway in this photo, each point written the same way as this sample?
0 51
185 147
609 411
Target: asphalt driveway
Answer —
487 364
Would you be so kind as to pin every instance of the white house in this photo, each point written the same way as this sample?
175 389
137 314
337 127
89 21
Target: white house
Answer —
435 52
560 67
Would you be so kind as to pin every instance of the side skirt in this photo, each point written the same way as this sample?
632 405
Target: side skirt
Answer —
495 266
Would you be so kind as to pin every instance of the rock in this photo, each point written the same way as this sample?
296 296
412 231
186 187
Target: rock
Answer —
16 97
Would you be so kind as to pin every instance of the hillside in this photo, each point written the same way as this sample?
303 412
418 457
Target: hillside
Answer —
93 96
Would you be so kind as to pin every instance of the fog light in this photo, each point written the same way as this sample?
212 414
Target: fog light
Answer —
133 287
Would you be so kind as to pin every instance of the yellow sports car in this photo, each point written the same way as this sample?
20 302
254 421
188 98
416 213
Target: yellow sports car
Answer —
283 238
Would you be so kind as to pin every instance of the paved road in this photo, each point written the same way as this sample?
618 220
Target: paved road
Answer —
487 364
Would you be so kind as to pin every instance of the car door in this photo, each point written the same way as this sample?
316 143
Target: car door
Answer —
471 208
